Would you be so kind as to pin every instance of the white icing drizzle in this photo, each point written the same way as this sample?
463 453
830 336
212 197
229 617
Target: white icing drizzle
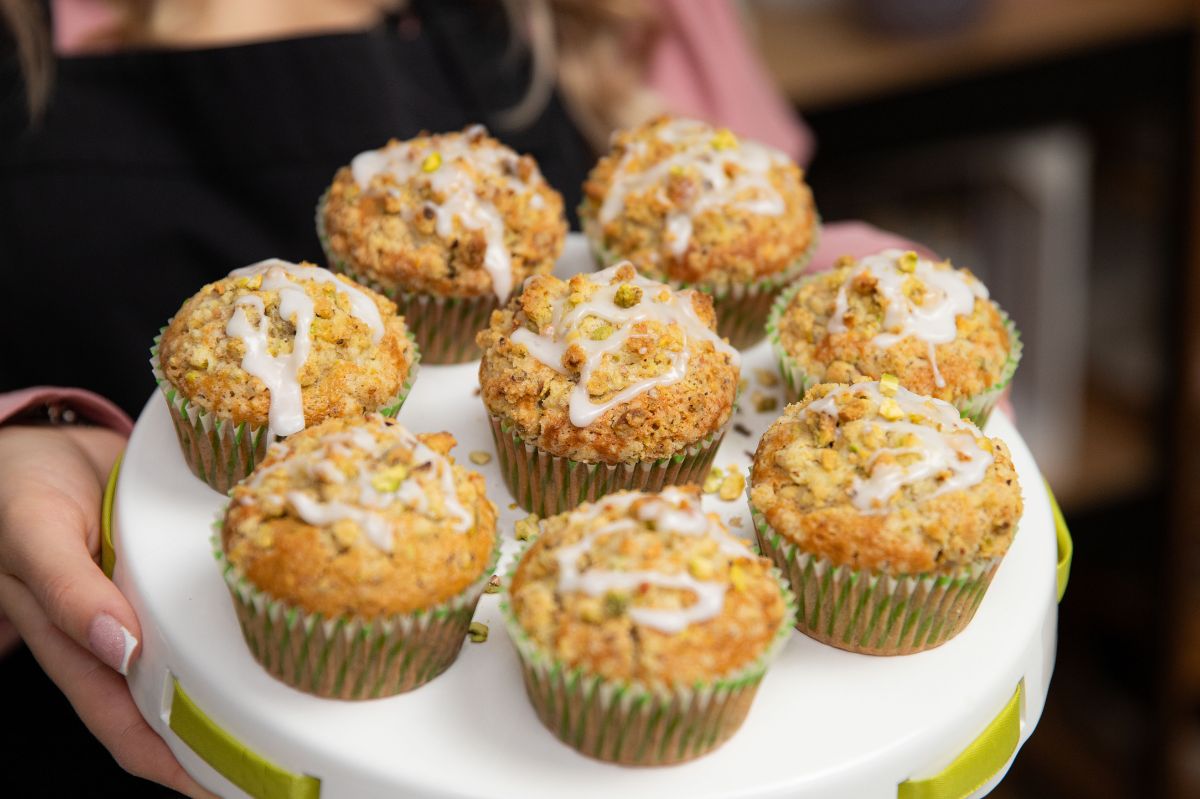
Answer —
672 510
404 161
951 453
749 189
549 347
366 508
949 294
280 373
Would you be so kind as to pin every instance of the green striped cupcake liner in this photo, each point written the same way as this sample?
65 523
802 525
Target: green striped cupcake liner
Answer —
351 657
634 723
443 327
221 452
741 309
871 612
978 408
547 484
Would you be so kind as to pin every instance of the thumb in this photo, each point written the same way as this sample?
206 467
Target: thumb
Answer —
51 510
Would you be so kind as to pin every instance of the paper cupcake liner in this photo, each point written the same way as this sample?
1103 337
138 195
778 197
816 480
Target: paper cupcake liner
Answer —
350 657
741 309
444 328
633 723
977 408
870 612
547 484
221 452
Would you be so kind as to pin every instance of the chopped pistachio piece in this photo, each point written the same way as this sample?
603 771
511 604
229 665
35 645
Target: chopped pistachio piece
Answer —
676 170
493 586
907 262
601 332
764 402
724 140
627 296
712 483
888 385
432 162
478 632
733 485
590 610
890 409
767 377
479 457
737 576
615 603
527 528
389 479
700 568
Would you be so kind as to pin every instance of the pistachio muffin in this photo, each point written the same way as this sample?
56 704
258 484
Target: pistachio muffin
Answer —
448 225
355 554
886 510
271 349
895 312
697 206
644 627
606 381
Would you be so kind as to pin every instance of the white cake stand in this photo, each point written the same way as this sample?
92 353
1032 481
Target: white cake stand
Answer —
826 723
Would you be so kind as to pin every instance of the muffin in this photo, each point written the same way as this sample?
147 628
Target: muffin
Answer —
267 351
888 513
606 381
355 555
643 627
449 226
894 312
698 207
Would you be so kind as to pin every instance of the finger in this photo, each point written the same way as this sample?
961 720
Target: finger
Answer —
857 239
98 695
44 547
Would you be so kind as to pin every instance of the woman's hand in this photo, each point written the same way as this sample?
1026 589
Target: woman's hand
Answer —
80 628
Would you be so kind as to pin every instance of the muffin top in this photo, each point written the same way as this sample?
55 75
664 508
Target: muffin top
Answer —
649 588
685 201
360 517
874 476
925 322
452 214
608 366
286 345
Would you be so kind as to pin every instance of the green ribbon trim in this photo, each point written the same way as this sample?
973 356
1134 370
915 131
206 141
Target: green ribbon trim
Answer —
1066 547
248 770
108 555
978 763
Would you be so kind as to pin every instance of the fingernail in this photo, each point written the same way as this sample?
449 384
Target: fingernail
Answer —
111 642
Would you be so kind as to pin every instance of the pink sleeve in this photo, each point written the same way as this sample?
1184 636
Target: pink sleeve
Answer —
85 404
704 67
857 239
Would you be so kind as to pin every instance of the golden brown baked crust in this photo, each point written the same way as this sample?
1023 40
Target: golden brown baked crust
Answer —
597 632
534 398
731 239
339 567
969 365
346 372
809 466
387 231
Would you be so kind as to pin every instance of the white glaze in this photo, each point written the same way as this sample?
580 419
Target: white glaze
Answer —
949 294
404 161
365 509
280 373
951 453
749 190
672 510
552 342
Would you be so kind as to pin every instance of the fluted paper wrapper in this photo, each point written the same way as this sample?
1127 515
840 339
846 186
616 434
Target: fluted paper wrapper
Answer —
870 612
741 309
978 408
547 484
443 328
631 723
349 657
221 452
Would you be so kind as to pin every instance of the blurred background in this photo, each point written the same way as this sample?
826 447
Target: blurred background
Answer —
1049 146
